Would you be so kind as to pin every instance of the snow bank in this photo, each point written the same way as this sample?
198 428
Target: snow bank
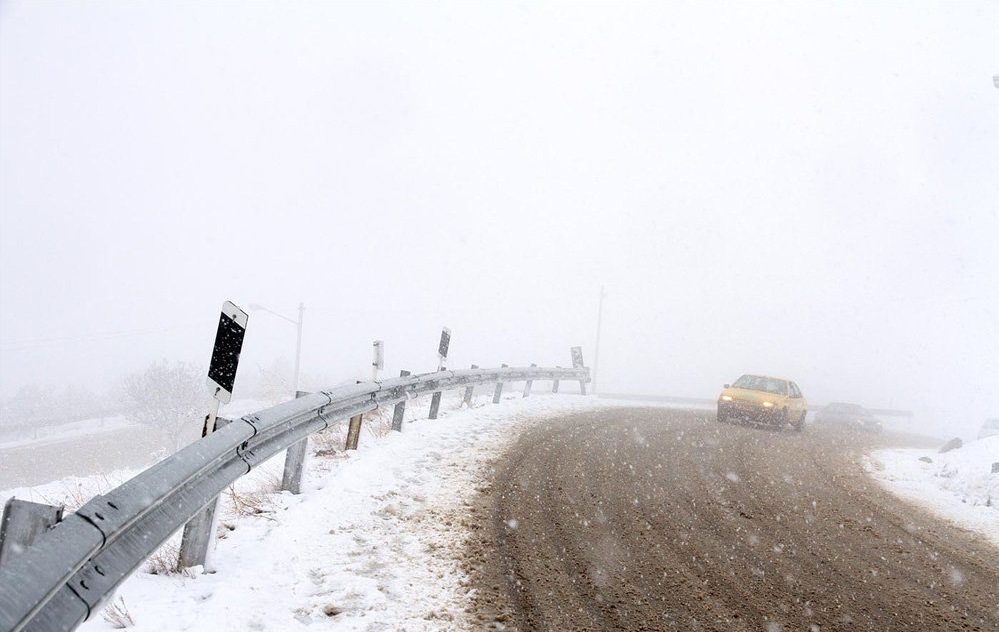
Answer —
958 485
372 543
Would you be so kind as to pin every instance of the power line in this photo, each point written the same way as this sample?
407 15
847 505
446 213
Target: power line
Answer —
40 343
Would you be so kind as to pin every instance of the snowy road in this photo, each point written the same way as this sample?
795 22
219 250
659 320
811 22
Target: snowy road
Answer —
397 535
657 519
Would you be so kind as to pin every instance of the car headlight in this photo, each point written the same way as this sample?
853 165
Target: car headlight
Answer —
726 398
768 404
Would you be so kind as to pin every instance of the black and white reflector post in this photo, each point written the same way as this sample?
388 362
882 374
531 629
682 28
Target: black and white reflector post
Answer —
577 363
377 358
435 401
225 355
199 532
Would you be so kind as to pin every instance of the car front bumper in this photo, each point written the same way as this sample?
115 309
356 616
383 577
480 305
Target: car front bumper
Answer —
750 411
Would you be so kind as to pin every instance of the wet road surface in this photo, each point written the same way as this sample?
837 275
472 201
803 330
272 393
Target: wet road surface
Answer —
660 519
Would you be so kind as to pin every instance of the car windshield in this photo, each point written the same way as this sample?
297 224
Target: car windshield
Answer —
761 383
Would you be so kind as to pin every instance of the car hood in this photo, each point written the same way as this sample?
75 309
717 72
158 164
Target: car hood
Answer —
746 395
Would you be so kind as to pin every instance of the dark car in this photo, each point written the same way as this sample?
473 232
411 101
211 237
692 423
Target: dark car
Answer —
852 416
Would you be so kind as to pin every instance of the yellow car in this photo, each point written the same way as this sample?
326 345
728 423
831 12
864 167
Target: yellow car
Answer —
759 398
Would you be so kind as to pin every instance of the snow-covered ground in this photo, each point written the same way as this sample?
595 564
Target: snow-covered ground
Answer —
958 485
372 542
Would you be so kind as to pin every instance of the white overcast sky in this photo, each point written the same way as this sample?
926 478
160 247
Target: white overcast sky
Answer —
805 189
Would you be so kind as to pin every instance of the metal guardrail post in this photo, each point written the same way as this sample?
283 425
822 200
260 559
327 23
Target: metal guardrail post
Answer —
198 532
75 566
499 390
400 408
197 536
528 383
22 522
294 462
469 391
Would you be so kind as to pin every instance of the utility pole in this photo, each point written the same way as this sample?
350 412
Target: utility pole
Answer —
596 351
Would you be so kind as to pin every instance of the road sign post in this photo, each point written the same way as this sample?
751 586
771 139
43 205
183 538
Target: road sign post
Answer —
199 533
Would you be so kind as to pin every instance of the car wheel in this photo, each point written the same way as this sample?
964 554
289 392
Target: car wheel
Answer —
782 418
800 425
721 417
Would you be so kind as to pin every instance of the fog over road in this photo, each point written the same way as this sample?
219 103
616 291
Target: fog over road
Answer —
659 519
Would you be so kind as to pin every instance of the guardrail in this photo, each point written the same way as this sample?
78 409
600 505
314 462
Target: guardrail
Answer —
71 569
887 412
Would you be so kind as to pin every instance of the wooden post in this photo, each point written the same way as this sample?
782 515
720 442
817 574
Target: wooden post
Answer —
469 391
294 462
353 432
435 403
527 385
499 390
400 409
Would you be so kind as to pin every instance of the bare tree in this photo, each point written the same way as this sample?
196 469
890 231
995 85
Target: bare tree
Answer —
171 397
31 408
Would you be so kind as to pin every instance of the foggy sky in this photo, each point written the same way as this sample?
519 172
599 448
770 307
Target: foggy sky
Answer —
803 190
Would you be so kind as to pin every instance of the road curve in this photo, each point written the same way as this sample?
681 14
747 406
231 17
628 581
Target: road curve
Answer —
660 519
